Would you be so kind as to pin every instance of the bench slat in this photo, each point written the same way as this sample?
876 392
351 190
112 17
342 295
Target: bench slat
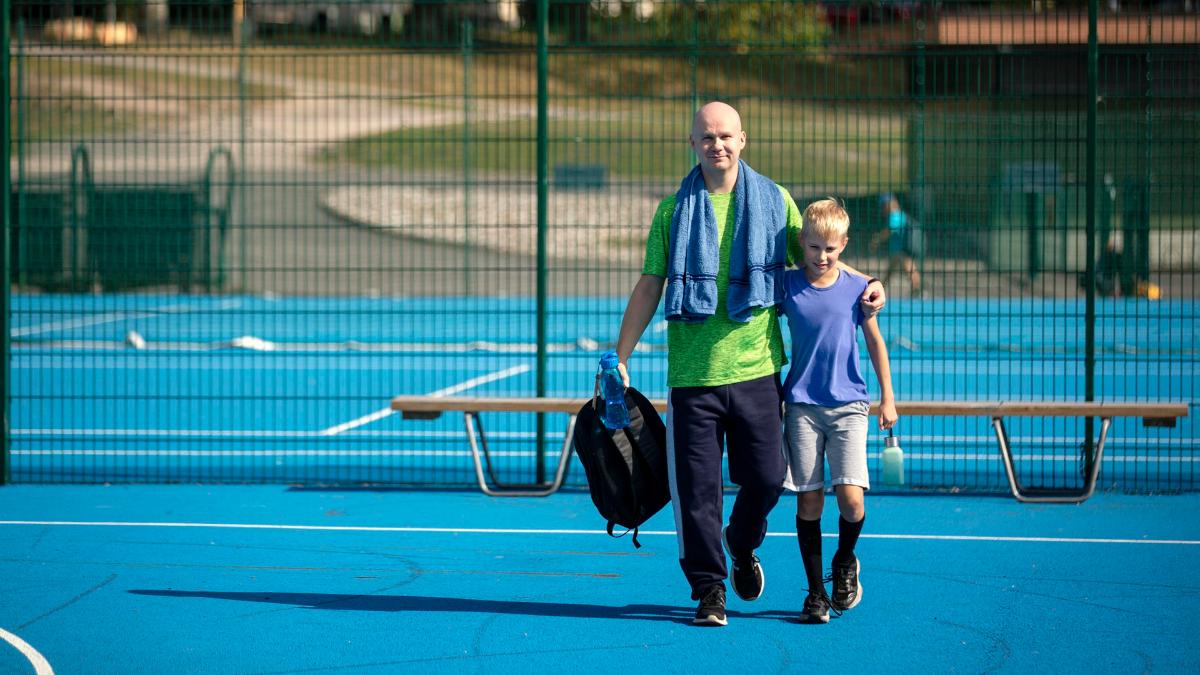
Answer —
1147 409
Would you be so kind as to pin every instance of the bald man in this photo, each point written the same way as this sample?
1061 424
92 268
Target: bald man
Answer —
723 361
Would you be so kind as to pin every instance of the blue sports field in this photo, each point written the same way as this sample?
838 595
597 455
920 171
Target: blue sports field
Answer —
337 565
270 579
266 389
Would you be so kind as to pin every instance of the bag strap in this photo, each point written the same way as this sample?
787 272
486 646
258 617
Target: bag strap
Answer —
618 536
596 392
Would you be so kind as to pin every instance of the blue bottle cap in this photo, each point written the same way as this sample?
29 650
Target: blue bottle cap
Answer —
608 359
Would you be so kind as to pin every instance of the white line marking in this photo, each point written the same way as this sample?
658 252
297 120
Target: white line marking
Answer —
111 317
346 426
37 434
461 386
278 454
1182 444
40 665
489 530
482 379
401 436
77 323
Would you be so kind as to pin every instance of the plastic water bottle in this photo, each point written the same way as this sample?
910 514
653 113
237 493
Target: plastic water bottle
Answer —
612 388
893 461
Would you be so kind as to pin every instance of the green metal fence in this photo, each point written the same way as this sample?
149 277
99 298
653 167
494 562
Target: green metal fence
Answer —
218 211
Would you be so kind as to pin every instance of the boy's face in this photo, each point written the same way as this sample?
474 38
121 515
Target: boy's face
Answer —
821 254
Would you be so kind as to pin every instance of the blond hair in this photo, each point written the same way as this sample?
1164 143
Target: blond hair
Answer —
827 218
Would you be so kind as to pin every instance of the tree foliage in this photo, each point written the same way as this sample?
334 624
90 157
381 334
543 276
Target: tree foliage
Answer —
732 23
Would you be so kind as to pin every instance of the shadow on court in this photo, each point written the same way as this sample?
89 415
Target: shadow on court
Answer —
425 603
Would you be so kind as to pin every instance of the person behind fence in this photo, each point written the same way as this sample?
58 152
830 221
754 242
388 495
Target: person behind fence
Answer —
826 403
719 246
902 233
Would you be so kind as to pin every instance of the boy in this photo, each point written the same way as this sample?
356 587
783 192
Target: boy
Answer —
827 405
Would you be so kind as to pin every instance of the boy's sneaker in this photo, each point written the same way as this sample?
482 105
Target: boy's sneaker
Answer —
846 589
711 611
816 608
747 579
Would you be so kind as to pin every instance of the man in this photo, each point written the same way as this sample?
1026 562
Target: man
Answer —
719 246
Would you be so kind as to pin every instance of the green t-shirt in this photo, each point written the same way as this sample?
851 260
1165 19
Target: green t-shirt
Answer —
719 350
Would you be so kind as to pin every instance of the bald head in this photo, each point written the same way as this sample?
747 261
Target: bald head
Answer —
716 112
717 139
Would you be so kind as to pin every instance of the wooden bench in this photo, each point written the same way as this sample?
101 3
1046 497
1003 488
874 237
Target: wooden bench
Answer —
1159 414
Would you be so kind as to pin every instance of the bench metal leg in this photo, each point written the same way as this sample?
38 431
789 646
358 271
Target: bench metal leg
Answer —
471 420
1038 495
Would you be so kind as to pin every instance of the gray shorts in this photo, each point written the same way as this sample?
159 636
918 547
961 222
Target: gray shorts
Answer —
814 433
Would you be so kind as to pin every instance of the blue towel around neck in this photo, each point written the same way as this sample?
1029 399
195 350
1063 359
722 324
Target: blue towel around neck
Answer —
756 260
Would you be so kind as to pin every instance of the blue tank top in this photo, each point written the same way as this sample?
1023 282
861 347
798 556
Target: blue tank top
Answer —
824 325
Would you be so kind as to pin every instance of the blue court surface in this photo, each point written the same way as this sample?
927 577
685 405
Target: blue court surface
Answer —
296 390
272 579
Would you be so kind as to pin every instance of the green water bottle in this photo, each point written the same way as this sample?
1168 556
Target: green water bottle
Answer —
893 461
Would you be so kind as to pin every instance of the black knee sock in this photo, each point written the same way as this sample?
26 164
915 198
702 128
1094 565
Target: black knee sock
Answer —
809 534
847 539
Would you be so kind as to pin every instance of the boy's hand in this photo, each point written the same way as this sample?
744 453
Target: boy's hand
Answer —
887 415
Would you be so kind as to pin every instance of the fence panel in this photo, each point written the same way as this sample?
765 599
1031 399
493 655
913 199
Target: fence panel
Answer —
239 228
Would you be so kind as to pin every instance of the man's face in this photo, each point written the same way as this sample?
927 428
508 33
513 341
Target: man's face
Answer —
717 138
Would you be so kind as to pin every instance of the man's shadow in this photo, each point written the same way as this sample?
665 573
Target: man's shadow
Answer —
423 603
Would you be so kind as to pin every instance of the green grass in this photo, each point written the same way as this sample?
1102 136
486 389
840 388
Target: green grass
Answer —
793 143
71 98
46 121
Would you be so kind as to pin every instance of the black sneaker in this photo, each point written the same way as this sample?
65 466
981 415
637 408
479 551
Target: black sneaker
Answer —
747 579
816 608
846 589
711 611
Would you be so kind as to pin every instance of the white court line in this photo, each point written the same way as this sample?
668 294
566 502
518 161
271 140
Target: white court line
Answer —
1166 443
113 316
40 665
454 389
38 434
489 530
346 426
349 453
482 379
277 454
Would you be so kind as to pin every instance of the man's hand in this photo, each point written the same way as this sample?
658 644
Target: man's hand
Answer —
873 299
624 376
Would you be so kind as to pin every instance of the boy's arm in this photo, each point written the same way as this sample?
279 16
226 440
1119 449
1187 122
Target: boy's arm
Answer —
877 348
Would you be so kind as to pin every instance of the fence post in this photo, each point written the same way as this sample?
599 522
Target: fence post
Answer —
22 221
239 185
543 161
1033 224
917 178
1089 347
220 208
80 202
467 47
5 252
